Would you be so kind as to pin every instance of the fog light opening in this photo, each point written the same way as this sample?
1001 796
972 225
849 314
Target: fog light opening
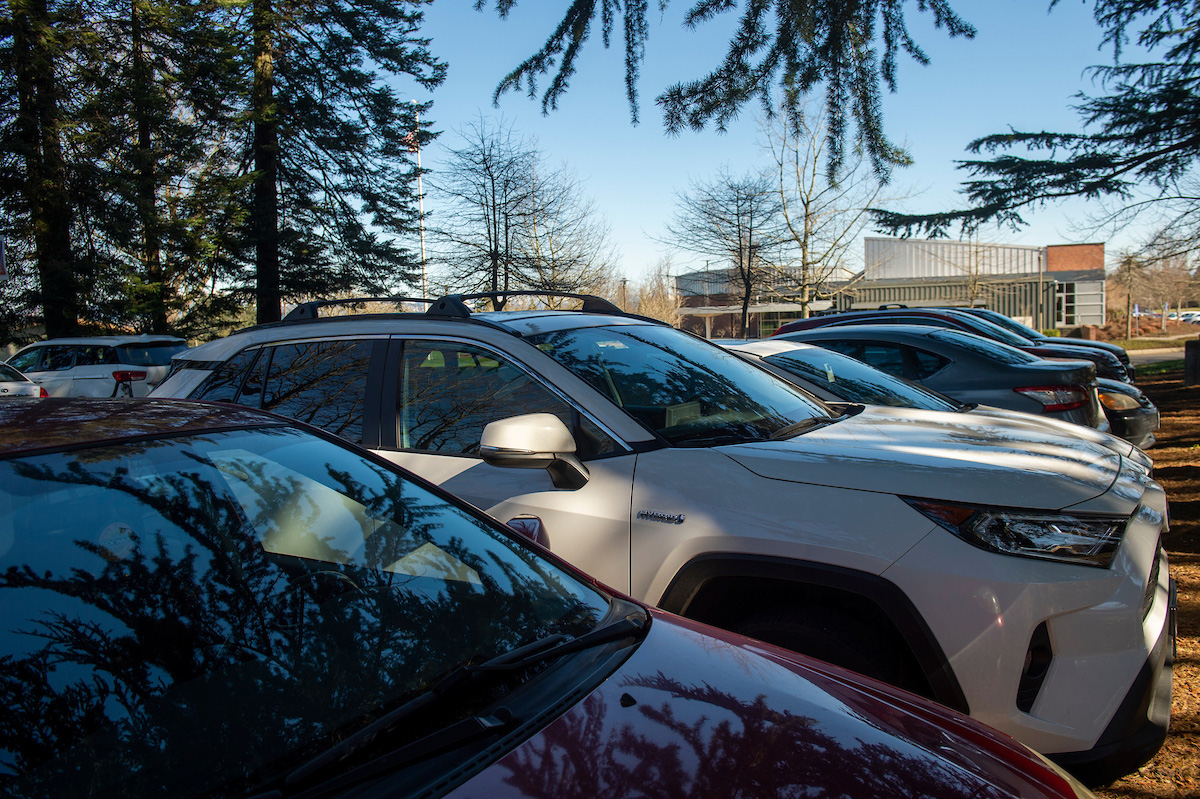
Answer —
1036 667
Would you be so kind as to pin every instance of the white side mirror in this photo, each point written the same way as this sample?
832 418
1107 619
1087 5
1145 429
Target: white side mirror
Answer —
534 441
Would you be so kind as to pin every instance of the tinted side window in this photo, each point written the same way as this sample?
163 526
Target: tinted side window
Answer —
851 348
26 361
925 363
449 392
95 356
322 383
927 321
256 376
888 357
223 384
57 358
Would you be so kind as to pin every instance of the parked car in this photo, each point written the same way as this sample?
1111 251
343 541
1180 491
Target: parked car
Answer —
1107 363
202 600
1130 413
1038 337
835 377
101 366
14 384
1000 571
970 368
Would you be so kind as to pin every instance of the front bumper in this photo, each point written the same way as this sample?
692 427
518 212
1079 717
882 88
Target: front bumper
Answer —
1139 726
1109 633
1137 426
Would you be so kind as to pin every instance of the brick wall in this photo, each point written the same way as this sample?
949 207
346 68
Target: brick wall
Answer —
1070 257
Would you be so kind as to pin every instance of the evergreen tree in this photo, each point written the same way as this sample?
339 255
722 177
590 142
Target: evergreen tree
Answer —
800 44
1144 133
35 196
329 141
159 83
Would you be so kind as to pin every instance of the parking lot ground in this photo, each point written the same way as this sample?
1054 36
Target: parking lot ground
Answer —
1175 771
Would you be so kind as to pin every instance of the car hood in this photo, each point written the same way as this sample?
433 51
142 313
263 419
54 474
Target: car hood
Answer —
934 455
1058 427
690 714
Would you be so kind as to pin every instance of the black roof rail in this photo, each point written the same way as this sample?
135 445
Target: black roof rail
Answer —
455 305
311 310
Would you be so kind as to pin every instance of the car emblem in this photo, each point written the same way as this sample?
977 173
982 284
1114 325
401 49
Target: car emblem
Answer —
657 516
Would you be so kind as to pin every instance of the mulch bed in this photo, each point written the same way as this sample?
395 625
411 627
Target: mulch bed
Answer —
1175 771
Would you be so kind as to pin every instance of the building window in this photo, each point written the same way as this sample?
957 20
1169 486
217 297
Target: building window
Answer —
1064 304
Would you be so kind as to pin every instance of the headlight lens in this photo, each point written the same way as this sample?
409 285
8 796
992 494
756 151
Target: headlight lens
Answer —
1062 537
1116 401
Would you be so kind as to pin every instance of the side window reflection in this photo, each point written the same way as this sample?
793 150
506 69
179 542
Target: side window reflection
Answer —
450 391
322 383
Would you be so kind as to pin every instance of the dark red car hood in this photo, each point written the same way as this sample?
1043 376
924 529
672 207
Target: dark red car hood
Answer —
692 715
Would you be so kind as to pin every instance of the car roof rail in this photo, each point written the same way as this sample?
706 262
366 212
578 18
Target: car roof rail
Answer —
455 304
306 311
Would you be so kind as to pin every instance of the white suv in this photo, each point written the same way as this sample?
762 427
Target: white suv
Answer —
1001 570
98 366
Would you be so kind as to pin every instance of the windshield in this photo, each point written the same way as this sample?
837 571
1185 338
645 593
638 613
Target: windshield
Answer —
690 392
182 617
854 381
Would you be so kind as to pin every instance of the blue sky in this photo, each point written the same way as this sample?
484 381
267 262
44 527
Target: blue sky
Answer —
1022 69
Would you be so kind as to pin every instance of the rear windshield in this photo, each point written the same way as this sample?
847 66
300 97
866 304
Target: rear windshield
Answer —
9 373
152 354
985 347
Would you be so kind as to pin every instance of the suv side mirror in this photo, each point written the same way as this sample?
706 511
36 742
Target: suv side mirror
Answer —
534 441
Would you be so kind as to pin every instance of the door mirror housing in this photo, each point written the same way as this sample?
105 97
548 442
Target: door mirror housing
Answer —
534 441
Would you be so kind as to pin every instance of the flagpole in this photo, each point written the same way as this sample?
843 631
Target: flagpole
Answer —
420 193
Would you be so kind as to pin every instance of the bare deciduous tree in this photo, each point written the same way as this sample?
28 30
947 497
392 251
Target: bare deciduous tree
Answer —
823 214
512 222
653 295
736 220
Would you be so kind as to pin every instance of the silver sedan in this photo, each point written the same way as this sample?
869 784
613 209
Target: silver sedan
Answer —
15 384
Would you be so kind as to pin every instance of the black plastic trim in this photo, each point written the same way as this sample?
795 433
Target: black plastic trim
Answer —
889 598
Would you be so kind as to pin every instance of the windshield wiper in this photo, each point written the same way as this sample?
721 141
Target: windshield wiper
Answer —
813 422
544 649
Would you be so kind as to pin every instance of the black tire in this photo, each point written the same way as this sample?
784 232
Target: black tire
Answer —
841 637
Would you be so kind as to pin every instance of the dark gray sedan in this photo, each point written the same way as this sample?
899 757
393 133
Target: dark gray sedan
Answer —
835 377
970 368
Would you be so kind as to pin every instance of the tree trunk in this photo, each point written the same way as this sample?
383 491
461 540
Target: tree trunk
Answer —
265 221
45 168
146 165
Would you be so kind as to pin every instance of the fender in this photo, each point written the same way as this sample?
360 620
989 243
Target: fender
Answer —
686 596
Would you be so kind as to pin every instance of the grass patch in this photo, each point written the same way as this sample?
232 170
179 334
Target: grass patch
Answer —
1160 368
1149 343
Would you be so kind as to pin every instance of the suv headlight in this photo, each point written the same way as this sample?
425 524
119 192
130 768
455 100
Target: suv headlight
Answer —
1063 537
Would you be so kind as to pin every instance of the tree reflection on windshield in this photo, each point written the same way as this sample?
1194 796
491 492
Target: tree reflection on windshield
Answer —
726 746
245 595
686 390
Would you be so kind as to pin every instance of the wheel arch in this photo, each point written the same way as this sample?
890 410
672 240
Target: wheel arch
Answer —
723 588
